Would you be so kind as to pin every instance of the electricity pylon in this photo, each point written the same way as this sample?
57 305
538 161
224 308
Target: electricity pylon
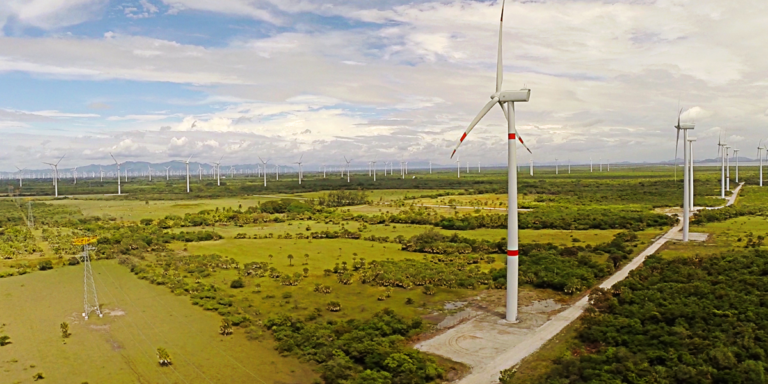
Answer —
90 300
30 218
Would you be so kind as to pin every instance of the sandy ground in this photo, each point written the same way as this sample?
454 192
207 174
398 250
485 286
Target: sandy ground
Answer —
489 344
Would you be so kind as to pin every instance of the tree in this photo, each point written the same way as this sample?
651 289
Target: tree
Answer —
4 340
237 283
270 258
163 357
290 259
225 329
306 272
65 330
38 376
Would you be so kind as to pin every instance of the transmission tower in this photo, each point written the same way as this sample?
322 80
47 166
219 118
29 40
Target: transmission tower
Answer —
30 218
90 300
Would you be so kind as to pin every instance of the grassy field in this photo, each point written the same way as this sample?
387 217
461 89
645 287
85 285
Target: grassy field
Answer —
120 348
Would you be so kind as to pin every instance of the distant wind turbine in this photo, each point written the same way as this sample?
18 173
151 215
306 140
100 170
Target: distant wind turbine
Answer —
342 171
118 173
187 164
686 172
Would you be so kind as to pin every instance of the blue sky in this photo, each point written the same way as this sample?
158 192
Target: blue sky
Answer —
155 80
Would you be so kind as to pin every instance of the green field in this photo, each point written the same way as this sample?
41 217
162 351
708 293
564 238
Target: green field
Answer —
120 348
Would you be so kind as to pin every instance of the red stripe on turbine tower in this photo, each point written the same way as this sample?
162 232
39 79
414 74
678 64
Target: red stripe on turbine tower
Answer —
511 136
512 253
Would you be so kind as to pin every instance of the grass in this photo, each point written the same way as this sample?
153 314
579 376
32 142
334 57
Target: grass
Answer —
121 348
135 210
534 368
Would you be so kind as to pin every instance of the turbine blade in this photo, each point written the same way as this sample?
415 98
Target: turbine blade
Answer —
113 158
474 122
519 138
677 144
499 63
62 158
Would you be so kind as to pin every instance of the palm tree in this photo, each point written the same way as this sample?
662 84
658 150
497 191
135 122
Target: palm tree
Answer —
306 258
290 260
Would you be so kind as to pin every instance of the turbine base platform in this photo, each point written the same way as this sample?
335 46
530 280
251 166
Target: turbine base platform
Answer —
692 236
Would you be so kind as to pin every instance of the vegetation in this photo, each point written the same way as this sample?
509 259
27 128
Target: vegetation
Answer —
64 327
4 340
355 351
163 357
684 320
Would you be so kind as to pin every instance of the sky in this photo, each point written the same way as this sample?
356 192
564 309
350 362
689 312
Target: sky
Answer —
160 80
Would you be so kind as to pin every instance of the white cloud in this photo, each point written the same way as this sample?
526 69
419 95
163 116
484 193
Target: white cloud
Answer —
180 142
51 14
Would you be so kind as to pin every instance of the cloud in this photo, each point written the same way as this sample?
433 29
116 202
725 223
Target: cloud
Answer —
99 106
51 14
138 118
180 142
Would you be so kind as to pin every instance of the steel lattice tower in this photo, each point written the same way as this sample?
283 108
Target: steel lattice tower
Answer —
90 299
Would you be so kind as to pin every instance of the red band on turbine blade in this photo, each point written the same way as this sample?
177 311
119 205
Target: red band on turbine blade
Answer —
512 253
521 140
464 136
511 136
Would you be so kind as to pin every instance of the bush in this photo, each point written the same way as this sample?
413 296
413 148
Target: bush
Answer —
45 265
237 283
73 261
4 340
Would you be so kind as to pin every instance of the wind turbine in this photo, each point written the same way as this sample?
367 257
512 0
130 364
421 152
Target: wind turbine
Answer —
557 170
727 168
690 145
430 168
507 99
458 168
149 171
264 164
218 171
686 173
569 166
21 177
736 156
200 172
590 164
721 151
167 173
187 164
118 173
760 149
101 172
373 163
342 171
531 165
74 175
300 173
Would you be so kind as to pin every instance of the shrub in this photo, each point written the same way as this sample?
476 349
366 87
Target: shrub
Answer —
45 265
73 261
237 283
4 340
163 357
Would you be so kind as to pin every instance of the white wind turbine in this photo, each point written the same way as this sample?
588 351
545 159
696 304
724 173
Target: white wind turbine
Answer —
149 171
760 149
590 164
101 172
736 156
721 152
167 173
531 165
686 172
569 166
118 173
507 99
342 171
458 168
690 146
264 164
727 168
373 163
300 170
21 177
74 175
200 172
557 170
218 171
187 164
430 167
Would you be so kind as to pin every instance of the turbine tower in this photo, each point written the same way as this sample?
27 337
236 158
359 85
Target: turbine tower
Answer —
187 164
557 170
264 164
686 173
373 163
90 299
300 173
56 176
21 177
74 175
721 152
118 173
727 168
690 145
218 171
736 156
167 173
342 171
760 149
506 100
149 172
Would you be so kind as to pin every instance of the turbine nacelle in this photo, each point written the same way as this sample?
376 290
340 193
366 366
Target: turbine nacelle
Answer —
521 96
